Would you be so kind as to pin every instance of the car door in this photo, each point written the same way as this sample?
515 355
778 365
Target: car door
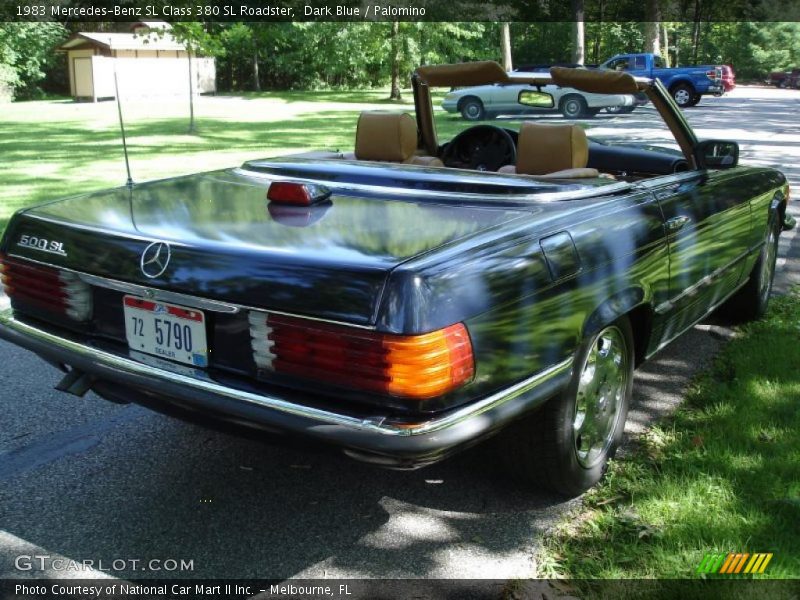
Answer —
620 63
504 98
707 225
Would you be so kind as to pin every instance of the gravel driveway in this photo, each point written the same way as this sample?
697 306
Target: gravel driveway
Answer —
85 479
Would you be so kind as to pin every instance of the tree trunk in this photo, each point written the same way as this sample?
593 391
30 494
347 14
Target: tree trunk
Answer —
191 92
256 82
578 42
598 38
505 46
651 27
696 31
665 45
395 40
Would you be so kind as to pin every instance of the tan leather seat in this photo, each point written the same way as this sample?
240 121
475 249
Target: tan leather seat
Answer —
390 137
552 151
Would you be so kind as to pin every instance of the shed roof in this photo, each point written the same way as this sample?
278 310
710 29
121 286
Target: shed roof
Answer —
152 25
123 41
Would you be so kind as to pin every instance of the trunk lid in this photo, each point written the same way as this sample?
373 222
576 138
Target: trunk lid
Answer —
329 261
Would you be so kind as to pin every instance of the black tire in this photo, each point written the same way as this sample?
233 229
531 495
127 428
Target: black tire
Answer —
619 110
472 109
695 100
573 107
751 301
783 84
683 93
544 449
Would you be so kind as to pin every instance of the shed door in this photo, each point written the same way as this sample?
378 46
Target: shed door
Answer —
84 86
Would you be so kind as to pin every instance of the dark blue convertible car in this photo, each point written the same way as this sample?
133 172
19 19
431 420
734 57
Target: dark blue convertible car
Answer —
413 297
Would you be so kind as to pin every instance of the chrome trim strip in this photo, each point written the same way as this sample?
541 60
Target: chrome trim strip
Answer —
688 327
182 299
668 305
338 187
157 294
372 424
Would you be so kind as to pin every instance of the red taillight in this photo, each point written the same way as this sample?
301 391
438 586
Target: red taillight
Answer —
712 74
46 288
416 366
297 194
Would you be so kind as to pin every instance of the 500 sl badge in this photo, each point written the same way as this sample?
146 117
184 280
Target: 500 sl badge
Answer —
45 245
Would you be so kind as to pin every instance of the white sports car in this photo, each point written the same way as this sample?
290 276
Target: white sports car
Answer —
489 101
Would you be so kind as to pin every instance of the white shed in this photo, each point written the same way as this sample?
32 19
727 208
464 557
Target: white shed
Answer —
147 63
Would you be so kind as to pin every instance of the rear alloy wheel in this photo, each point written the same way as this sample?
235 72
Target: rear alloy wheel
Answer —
573 107
472 110
751 302
683 94
566 446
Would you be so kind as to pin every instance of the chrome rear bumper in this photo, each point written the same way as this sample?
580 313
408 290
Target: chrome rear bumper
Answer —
409 442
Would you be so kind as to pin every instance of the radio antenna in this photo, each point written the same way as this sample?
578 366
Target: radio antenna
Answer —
129 183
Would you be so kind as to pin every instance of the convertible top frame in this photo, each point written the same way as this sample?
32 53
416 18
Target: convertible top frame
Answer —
593 81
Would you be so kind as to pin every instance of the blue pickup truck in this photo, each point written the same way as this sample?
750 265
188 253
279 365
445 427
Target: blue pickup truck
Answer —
686 84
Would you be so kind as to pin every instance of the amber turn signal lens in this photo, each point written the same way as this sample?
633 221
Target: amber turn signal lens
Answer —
429 365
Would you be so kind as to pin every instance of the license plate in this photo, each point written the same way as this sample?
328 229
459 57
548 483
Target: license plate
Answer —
166 330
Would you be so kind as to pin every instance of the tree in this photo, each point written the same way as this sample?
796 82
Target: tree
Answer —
394 94
27 51
578 43
696 29
505 45
652 27
197 40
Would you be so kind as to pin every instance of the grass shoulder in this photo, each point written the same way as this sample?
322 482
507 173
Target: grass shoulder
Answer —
720 475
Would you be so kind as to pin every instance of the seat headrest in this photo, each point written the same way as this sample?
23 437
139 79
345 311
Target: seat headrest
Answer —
386 136
545 149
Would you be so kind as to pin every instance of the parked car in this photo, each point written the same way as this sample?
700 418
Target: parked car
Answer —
728 78
414 297
488 101
545 67
785 79
686 84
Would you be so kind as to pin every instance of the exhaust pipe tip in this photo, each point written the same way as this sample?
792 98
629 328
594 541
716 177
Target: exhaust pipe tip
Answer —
76 382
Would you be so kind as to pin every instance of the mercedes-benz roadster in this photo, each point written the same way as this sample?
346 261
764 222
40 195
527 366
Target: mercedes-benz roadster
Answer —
410 298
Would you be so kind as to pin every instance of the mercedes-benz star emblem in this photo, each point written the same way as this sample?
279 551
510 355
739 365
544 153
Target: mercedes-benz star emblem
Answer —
155 259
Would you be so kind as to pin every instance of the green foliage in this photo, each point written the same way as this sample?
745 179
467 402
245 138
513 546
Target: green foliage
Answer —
334 55
26 53
341 55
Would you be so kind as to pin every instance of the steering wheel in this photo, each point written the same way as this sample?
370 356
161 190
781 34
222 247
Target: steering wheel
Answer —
482 148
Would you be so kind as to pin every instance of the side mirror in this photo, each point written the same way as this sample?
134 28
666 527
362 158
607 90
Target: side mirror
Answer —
716 154
536 99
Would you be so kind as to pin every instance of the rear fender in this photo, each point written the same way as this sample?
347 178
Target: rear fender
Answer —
679 79
612 309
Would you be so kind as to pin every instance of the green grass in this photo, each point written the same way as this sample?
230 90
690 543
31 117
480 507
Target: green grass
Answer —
721 475
54 148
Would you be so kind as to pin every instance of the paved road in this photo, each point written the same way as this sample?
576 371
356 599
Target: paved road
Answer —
87 480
